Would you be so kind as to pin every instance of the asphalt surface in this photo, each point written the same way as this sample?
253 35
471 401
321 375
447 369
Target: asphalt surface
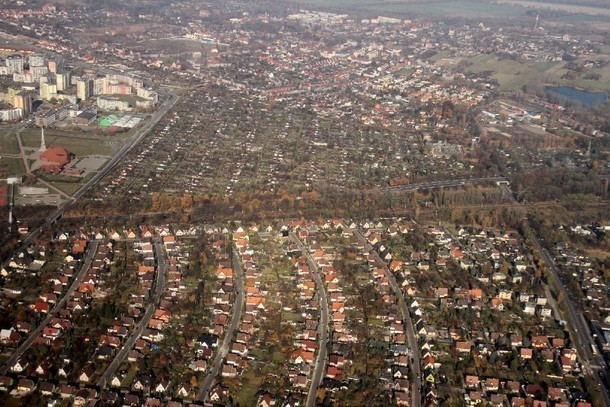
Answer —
323 338
92 249
593 365
238 308
162 266
406 316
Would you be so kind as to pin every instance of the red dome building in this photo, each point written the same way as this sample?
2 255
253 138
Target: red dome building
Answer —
55 158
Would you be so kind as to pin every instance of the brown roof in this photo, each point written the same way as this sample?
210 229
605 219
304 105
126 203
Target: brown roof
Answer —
56 155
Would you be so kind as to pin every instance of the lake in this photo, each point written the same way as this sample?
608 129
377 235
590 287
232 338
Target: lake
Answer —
585 98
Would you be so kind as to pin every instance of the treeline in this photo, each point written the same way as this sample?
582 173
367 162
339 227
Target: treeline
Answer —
325 202
547 184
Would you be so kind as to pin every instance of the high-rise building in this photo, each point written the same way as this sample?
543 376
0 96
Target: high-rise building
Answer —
15 63
84 88
36 60
63 81
100 86
48 90
52 64
37 72
23 101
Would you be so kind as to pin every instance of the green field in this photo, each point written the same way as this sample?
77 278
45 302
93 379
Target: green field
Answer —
602 84
448 9
460 8
11 166
78 146
8 144
68 187
514 74
250 386
455 9
583 18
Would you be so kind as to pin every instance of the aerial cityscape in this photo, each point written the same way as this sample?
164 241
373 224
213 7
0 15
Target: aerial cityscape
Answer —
304 203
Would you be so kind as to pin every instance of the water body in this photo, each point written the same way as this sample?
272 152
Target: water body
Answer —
583 97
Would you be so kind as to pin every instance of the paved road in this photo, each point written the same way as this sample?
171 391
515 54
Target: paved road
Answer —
58 306
129 144
24 158
583 338
162 266
593 365
323 338
238 308
406 316
443 184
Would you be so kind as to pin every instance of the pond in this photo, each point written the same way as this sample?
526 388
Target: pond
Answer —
583 97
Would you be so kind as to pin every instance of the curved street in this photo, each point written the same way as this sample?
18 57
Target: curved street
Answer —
238 308
316 377
162 267
593 363
91 250
406 316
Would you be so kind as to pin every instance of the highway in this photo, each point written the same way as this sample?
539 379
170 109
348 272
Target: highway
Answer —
443 184
406 316
580 333
162 267
323 338
238 308
92 249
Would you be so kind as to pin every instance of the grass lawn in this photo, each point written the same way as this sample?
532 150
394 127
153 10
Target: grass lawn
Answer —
513 74
251 383
8 144
11 166
602 84
460 8
291 316
78 146
455 8
598 254
68 187
376 322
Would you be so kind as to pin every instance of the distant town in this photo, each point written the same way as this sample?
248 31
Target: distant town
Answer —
304 203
